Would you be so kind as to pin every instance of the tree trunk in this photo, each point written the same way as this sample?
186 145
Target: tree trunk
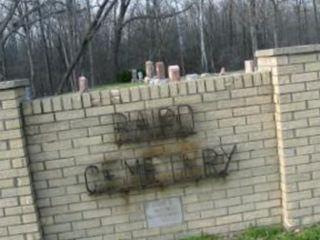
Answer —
27 31
298 13
253 27
213 23
180 40
276 24
230 15
118 29
90 47
71 6
150 31
204 59
46 51
316 18
3 58
116 50
306 22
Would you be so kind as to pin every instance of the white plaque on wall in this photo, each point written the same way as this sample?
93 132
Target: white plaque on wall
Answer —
164 213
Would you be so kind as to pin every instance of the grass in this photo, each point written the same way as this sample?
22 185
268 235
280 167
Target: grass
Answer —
203 238
118 86
270 233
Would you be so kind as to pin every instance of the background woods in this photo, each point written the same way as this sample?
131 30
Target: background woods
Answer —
52 42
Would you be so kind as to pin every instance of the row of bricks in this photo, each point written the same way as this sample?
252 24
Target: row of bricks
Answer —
44 169
288 59
101 98
264 183
66 149
102 123
74 182
54 182
58 150
120 225
51 194
172 233
253 201
71 175
11 94
195 101
283 65
246 137
226 198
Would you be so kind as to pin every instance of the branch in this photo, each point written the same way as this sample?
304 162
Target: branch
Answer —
163 16
21 24
95 26
10 15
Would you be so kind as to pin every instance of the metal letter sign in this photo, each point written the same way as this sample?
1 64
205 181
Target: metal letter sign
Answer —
123 176
154 124
211 160
156 170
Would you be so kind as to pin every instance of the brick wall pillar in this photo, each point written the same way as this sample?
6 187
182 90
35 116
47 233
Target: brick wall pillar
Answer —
296 81
18 213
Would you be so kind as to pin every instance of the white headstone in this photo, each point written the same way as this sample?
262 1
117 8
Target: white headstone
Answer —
140 76
192 77
174 73
249 66
134 75
83 84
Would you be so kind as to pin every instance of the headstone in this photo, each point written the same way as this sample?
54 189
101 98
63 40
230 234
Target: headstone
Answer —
83 84
192 77
134 75
205 75
174 73
149 69
222 71
140 76
28 94
249 66
164 213
161 72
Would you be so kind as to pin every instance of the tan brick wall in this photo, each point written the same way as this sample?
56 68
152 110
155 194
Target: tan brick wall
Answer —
271 116
296 80
67 133
18 213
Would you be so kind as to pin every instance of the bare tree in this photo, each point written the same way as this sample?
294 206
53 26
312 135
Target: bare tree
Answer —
253 26
276 22
180 38
23 9
90 47
101 15
118 29
204 59
54 41
46 50
3 25
297 8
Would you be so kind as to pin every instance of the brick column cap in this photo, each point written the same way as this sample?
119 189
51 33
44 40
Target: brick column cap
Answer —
305 49
18 83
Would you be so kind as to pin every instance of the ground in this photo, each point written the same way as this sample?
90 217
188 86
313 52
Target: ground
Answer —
271 233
